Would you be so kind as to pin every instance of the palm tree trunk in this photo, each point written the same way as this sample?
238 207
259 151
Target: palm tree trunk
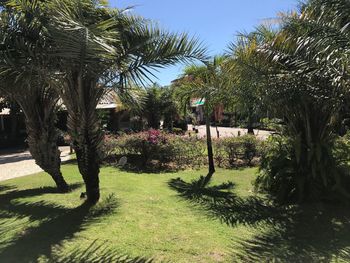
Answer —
84 128
39 108
250 124
217 131
89 168
210 151
43 148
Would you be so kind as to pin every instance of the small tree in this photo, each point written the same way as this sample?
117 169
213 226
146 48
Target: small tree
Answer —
211 84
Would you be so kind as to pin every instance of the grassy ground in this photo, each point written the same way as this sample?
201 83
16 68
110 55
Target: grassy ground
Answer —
141 218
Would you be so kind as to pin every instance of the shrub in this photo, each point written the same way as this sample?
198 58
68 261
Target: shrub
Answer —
178 131
283 176
229 151
137 123
276 168
109 146
181 151
154 145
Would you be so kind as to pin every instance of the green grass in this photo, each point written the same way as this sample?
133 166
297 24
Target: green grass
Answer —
141 216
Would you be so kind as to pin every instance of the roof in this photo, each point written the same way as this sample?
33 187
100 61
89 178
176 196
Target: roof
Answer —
5 111
108 101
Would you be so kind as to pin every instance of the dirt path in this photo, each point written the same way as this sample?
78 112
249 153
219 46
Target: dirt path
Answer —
14 165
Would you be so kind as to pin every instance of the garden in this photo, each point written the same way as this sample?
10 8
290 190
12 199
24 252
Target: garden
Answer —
157 190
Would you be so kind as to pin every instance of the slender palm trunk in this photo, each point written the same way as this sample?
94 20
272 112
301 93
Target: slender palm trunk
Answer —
14 121
250 122
211 170
217 130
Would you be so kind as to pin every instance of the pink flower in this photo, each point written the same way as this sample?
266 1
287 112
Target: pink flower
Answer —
153 136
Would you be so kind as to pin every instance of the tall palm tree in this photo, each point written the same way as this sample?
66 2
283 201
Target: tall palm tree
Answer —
209 82
21 80
96 46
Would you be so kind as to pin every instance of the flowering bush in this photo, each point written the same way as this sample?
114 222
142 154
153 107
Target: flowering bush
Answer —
154 145
181 151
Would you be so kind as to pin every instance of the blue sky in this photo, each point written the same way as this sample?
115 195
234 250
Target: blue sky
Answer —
215 22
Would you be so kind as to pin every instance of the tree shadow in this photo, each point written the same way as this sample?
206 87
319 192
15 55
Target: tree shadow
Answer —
54 224
36 210
295 233
4 188
96 252
220 203
6 159
313 233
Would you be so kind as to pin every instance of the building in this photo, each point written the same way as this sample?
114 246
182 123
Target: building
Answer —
113 115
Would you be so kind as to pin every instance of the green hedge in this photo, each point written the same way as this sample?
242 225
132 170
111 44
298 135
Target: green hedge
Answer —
182 151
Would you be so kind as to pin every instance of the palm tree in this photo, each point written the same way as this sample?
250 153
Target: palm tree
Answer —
210 83
247 70
308 79
97 47
21 80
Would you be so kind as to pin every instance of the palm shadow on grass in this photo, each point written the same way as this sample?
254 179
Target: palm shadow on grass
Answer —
55 224
293 233
311 233
96 252
220 202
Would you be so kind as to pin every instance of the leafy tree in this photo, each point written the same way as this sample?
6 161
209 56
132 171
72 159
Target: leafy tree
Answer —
170 108
160 105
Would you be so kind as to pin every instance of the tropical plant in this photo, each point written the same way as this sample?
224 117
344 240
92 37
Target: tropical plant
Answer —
308 79
21 79
209 83
97 47
246 74
153 106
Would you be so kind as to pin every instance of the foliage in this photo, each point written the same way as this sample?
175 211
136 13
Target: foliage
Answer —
138 123
153 107
274 124
247 84
304 79
210 83
85 48
182 151
21 65
154 145
280 178
236 151
160 104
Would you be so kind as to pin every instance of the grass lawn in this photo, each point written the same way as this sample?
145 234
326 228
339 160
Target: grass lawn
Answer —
141 218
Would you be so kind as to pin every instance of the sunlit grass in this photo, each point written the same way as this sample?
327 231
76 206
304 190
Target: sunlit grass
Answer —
141 216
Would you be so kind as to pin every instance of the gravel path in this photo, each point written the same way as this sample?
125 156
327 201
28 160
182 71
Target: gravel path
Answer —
19 164
229 132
